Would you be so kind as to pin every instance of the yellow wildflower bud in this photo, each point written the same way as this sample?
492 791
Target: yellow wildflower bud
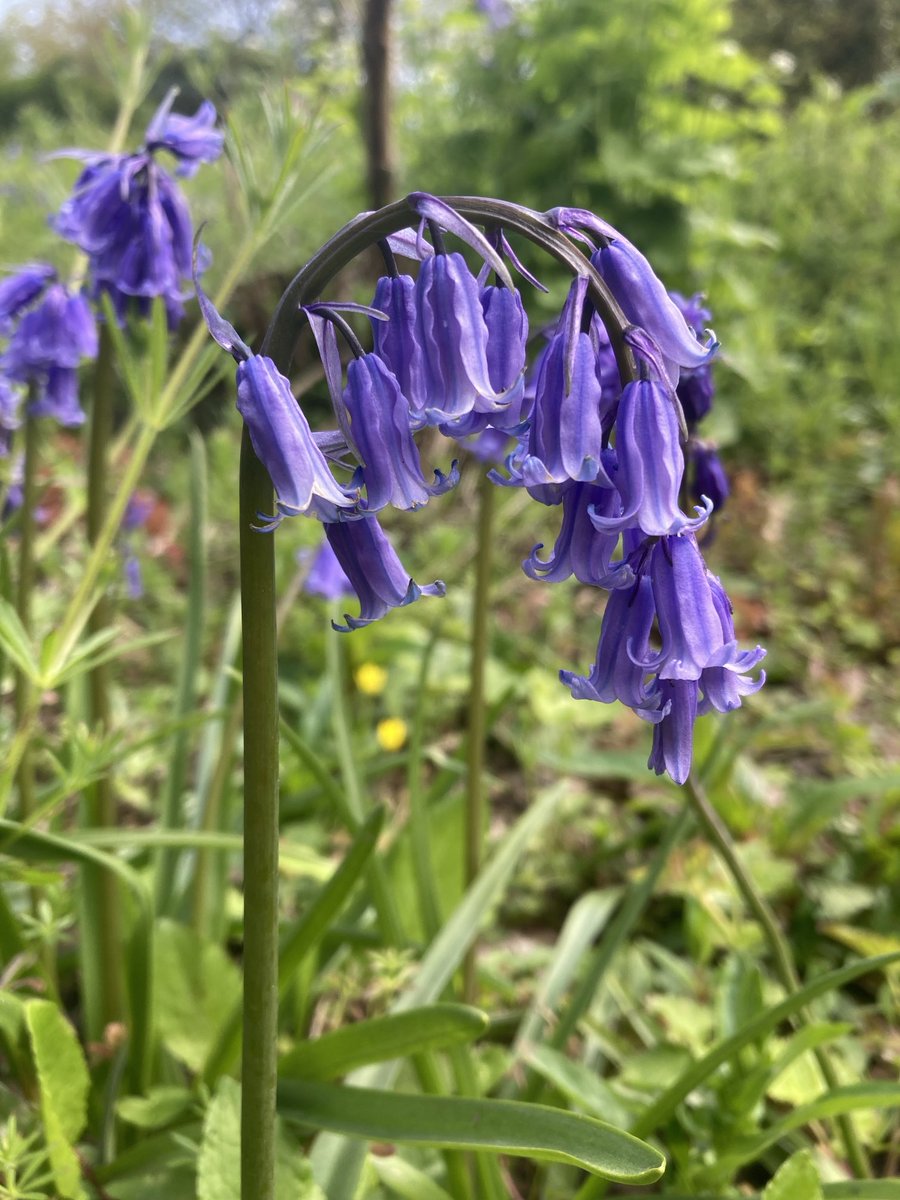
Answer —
391 733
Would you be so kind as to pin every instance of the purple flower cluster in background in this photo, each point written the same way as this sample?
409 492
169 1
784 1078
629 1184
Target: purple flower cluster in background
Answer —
128 214
450 351
50 330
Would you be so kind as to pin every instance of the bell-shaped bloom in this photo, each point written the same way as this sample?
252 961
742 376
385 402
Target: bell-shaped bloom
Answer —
128 215
396 340
646 302
45 348
707 474
284 444
690 622
507 324
453 335
580 549
279 432
20 290
651 463
192 140
673 734
724 687
624 636
639 291
379 425
325 576
565 438
371 564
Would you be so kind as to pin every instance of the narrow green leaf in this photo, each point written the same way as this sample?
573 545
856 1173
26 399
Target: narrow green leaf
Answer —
337 1160
586 918
401 1177
665 1105
499 1126
832 1104
582 1086
796 1179
102 647
380 1039
15 642
862 1189
64 1085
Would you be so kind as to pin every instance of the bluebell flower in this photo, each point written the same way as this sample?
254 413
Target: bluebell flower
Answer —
580 549
192 140
640 293
128 215
724 686
379 425
371 564
49 341
707 474
396 340
325 576
617 673
673 733
20 290
696 387
690 622
650 463
280 433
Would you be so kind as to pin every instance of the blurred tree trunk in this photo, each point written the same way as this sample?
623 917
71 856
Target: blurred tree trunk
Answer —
376 56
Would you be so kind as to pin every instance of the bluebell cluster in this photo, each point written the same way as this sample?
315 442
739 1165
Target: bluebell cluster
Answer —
449 351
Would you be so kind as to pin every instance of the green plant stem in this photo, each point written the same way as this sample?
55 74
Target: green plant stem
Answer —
260 689
477 724
101 952
778 947
24 592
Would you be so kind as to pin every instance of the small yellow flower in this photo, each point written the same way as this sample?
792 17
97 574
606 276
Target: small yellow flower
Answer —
391 733
370 678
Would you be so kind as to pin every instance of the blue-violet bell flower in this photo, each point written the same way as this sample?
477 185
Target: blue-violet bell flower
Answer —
20 290
325 576
128 215
650 463
673 734
45 348
370 562
279 432
707 474
581 549
639 291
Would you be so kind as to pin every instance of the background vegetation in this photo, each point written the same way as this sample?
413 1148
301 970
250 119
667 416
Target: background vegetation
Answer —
752 157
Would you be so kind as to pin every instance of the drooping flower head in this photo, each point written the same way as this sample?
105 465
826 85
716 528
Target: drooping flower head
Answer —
51 331
128 215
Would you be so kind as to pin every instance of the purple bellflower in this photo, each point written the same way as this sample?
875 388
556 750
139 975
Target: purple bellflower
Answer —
375 417
20 290
707 474
581 549
49 341
651 463
617 673
371 564
724 686
639 291
325 576
128 215
691 624
280 432
673 733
